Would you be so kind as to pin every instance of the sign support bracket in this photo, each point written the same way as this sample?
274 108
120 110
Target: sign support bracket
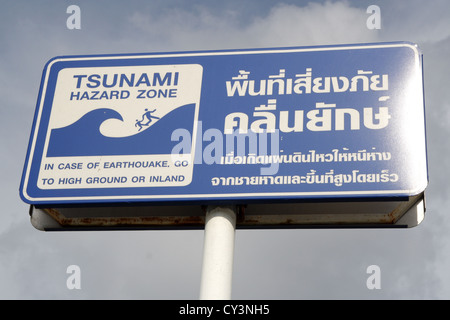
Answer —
218 251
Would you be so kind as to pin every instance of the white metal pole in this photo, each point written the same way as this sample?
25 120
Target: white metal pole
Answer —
218 251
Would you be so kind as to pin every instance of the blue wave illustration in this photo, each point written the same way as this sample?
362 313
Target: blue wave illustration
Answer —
83 138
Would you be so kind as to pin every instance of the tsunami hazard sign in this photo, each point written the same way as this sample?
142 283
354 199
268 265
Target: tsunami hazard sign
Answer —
256 125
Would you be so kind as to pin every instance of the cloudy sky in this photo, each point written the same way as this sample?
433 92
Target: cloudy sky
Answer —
271 264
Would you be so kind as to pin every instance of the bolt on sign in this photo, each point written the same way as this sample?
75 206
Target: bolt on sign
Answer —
295 137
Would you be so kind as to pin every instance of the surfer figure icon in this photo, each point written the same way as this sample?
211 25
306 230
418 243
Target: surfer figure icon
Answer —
148 115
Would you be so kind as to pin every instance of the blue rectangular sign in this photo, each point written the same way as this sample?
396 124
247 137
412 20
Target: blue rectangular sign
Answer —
294 124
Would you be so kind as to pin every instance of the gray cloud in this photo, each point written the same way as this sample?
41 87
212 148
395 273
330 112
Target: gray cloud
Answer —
282 25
